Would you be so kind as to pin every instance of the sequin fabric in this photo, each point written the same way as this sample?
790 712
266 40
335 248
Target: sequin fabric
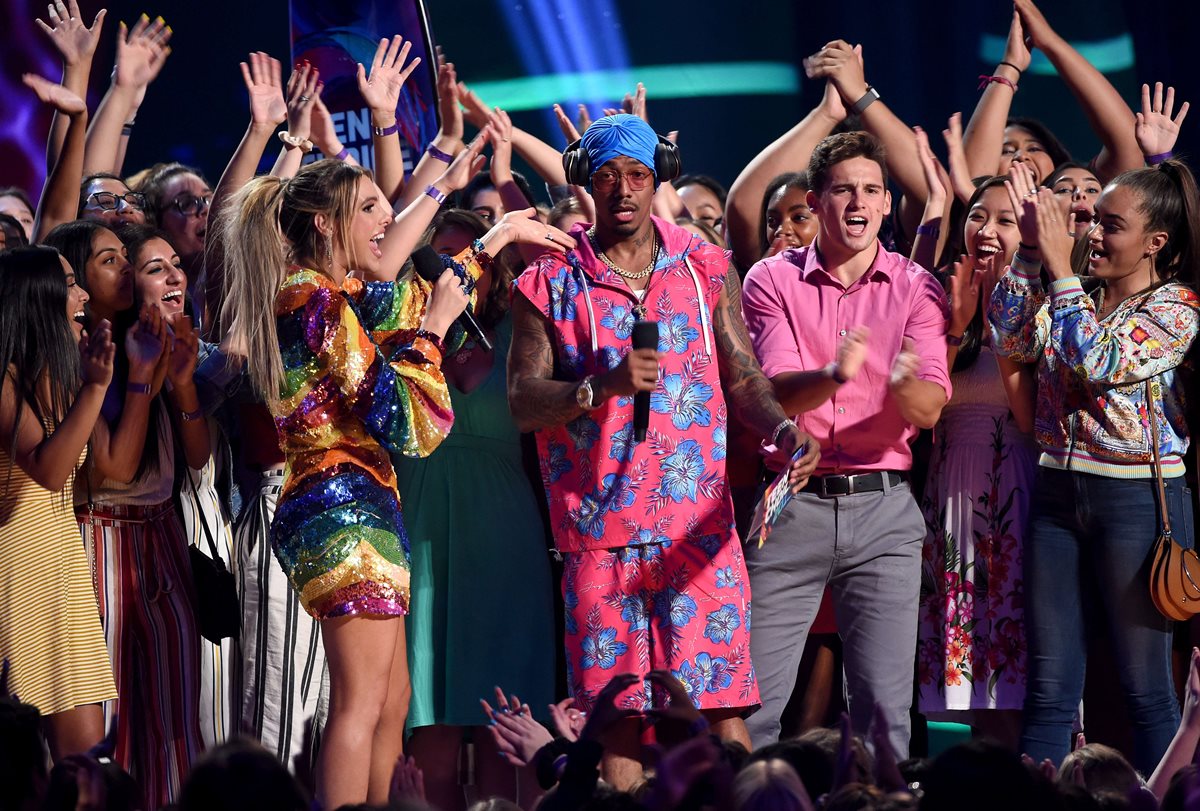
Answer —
359 384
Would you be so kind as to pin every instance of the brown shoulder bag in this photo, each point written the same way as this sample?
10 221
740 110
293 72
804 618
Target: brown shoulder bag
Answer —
1174 571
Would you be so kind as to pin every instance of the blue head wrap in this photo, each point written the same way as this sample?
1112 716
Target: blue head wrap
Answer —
617 135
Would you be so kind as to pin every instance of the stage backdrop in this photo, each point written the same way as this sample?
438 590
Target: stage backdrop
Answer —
336 37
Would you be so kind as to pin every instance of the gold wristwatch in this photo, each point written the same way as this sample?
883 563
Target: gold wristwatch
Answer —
585 396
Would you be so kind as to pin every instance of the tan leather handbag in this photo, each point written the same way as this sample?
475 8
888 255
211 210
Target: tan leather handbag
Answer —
1174 571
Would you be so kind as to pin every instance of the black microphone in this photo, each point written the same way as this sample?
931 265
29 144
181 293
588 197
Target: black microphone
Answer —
428 264
645 336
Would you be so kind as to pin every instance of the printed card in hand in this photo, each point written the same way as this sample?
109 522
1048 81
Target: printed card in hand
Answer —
777 496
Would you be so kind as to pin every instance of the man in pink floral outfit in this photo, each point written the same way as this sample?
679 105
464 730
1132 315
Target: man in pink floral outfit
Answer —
654 577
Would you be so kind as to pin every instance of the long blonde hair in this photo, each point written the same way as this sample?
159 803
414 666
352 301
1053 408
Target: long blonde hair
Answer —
271 223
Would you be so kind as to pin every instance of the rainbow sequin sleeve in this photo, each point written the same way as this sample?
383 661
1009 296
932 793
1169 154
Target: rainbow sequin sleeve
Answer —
392 311
332 364
1018 314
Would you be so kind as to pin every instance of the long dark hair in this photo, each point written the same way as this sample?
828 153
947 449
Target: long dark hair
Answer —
36 340
1054 147
972 339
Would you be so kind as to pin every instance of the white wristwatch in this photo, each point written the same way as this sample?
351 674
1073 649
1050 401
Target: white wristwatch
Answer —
585 396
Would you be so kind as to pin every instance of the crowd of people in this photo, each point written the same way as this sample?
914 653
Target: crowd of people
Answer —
290 463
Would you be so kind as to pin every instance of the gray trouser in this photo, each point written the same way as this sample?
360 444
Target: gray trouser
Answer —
867 548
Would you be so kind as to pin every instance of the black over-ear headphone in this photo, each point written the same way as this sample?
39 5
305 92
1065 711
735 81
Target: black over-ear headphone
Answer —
578 167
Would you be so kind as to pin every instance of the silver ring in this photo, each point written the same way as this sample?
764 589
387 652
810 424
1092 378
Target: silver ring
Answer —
550 237
304 99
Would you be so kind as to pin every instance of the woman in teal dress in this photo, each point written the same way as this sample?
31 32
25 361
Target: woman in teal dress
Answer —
482 610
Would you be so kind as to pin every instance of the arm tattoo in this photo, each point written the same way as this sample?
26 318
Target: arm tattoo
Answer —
750 394
535 398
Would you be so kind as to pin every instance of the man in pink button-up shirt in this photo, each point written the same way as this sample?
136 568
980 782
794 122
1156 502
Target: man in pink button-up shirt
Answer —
852 337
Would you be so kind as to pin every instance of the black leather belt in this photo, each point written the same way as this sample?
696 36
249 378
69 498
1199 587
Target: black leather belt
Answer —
834 485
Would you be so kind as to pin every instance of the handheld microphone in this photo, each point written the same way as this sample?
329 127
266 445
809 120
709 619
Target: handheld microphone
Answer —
428 265
645 336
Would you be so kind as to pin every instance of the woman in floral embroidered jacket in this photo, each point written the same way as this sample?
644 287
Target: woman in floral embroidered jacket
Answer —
1095 515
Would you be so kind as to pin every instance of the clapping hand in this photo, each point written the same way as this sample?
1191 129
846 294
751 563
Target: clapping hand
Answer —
965 283
1055 238
185 348
449 110
465 164
146 349
517 736
97 355
73 40
1022 194
906 364
842 64
264 86
408 782
568 721
1156 131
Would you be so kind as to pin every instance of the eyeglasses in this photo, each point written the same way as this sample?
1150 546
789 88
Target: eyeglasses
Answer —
608 179
186 204
110 201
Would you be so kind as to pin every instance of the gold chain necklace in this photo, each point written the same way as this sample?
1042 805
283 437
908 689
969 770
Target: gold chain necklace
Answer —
646 271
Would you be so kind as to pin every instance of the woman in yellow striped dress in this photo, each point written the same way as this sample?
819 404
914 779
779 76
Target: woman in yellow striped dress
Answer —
49 624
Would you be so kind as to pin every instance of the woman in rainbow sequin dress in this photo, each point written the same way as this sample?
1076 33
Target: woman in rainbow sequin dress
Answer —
351 371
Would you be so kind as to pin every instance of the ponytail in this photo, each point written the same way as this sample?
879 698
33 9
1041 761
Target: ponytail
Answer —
255 264
1183 263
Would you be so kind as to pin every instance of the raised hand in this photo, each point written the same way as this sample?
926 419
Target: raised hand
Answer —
449 110
636 104
408 782
185 348
679 769
1191 694
381 91
142 52
1037 31
321 130
1156 131
54 94
584 118
474 110
568 721
887 773
965 283
566 125
842 64
97 354
831 103
502 130
956 159
303 94
74 41
1016 51
1022 194
263 78
936 178
465 164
